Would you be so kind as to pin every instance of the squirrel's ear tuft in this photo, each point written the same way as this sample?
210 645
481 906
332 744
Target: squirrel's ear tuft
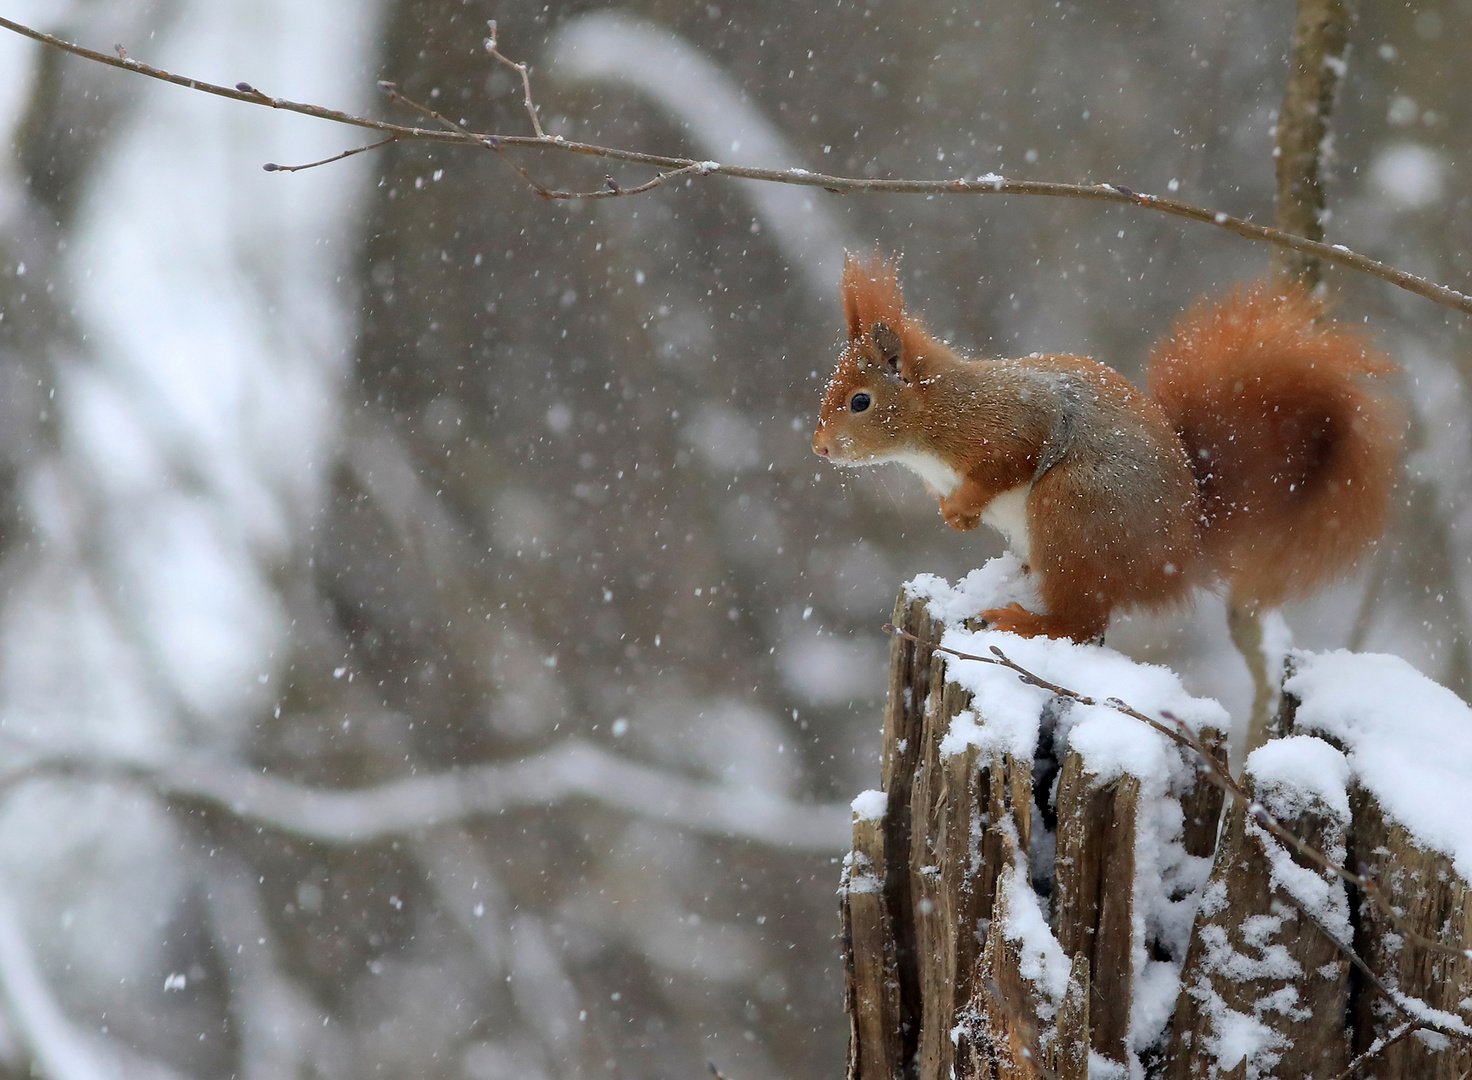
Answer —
891 349
871 294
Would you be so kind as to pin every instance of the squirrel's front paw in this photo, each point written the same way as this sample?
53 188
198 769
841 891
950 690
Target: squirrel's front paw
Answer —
965 520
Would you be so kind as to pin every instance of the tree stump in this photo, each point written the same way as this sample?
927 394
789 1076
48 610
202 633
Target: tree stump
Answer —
1048 888
1255 972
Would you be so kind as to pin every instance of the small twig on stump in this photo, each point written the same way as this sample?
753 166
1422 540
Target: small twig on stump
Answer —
1378 1047
1400 1002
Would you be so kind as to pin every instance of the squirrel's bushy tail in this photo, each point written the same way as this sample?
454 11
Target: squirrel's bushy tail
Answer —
1293 436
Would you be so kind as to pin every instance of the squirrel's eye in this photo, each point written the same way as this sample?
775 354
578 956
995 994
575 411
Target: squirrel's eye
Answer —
859 402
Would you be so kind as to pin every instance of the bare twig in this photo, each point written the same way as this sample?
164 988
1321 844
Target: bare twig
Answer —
394 94
569 771
271 166
1376 1048
1402 1003
1179 734
613 190
490 142
610 191
839 185
526 80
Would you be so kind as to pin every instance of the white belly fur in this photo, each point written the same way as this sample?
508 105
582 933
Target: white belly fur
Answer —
1007 513
938 476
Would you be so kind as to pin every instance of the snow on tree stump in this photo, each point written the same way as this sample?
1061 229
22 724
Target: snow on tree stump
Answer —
1407 743
1048 887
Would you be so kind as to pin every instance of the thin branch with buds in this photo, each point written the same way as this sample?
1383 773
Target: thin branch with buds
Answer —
271 166
526 79
610 190
669 166
1179 733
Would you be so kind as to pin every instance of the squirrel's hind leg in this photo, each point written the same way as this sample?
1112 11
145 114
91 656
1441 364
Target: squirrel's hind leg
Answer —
1016 619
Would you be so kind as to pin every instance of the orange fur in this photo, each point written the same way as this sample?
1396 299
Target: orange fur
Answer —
1263 457
872 294
1294 446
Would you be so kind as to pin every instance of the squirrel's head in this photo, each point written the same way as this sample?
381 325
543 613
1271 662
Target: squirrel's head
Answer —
873 402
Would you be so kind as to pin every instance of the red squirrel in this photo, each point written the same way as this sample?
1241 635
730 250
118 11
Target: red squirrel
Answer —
1262 458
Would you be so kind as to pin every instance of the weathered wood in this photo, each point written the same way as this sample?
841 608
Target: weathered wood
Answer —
968 816
966 895
876 1050
940 825
1094 902
1006 823
1068 1054
1434 902
904 720
1201 807
1258 966
1006 1002
1071 1040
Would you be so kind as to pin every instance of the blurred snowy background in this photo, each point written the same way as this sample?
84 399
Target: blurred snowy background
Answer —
428 647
